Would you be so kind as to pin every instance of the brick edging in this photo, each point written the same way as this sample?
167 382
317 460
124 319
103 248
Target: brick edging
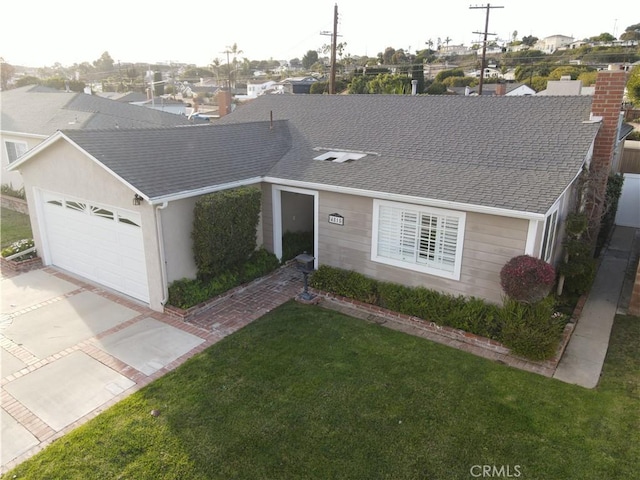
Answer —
21 266
492 347
188 313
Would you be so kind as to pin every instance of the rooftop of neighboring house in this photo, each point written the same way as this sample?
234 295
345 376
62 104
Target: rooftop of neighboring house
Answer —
42 111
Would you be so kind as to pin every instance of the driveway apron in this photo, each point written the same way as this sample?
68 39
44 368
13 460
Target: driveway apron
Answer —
70 350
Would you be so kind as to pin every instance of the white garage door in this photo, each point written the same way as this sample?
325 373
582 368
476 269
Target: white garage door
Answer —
100 243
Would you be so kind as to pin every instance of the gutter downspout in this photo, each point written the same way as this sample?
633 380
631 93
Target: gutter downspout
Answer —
163 261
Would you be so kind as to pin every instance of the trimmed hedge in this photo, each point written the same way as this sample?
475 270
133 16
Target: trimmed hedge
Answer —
224 229
532 330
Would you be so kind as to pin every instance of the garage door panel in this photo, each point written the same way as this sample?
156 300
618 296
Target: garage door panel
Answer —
90 240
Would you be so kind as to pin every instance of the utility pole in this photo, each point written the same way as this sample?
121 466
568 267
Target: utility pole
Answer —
334 47
228 70
488 7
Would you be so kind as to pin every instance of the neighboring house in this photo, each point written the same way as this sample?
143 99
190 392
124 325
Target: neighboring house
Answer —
32 113
295 85
553 43
507 89
566 86
431 191
259 88
488 73
449 50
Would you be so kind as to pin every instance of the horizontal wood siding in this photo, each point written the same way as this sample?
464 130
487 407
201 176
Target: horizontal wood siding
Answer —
346 246
490 241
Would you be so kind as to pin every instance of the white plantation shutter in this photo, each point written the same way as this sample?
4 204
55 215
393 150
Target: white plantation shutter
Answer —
430 239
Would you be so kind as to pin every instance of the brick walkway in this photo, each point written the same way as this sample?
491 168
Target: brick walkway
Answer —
241 308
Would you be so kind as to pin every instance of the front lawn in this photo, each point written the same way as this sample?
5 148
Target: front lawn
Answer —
14 226
308 393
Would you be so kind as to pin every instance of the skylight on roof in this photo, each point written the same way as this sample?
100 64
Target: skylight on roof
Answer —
340 157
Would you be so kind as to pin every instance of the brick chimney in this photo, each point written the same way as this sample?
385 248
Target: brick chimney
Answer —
501 89
224 102
607 104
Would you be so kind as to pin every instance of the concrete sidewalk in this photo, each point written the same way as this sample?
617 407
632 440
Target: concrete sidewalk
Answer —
584 356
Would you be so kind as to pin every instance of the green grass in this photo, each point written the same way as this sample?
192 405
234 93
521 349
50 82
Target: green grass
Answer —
308 393
14 226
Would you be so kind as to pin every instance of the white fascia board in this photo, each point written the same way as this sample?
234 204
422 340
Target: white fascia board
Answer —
466 207
203 191
38 136
58 136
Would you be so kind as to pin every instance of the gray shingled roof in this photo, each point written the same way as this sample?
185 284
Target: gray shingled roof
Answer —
516 153
43 111
169 161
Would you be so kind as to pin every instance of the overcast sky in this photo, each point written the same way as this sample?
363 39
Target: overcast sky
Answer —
42 32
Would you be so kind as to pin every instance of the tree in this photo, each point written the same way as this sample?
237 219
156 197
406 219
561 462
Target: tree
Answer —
309 59
529 40
387 83
437 88
6 73
631 33
603 37
386 58
104 63
358 85
27 80
633 85
572 71
456 72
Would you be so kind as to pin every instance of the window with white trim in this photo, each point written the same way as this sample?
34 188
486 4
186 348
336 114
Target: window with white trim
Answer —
549 239
424 239
15 149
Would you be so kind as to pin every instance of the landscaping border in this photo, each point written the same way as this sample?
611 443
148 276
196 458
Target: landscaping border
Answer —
21 266
188 313
453 337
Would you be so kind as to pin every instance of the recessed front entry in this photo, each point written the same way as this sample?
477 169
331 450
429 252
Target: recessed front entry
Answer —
295 216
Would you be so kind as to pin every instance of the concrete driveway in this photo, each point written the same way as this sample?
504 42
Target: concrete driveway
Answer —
71 349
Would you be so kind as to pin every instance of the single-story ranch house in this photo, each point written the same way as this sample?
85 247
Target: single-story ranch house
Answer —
436 191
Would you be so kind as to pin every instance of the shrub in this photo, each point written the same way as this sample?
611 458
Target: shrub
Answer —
579 266
612 196
580 269
531 330
186 292
527 279
224 229
8 190
345 283
260 263
20 246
